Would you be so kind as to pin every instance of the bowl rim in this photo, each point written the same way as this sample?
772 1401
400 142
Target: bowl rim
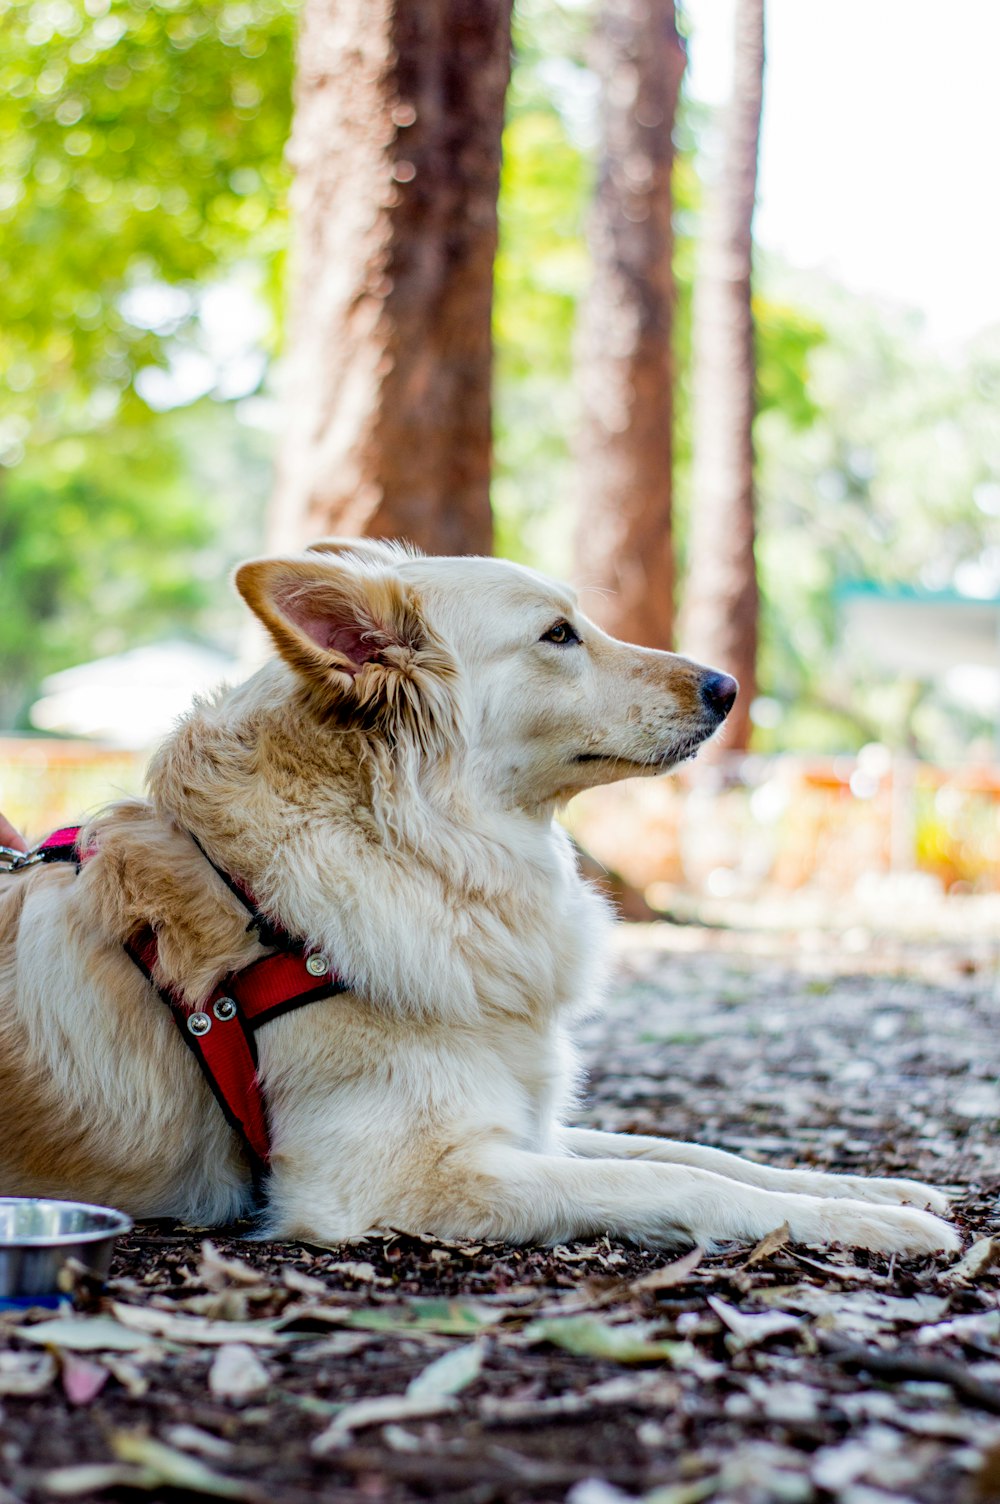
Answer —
121 1223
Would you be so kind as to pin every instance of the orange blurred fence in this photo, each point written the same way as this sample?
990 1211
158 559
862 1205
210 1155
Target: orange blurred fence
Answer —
728 829
46 782
746 823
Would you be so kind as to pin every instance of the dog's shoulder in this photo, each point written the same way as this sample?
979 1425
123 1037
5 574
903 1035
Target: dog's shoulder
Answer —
145 869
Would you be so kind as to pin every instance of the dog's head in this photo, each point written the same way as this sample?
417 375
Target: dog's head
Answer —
483 661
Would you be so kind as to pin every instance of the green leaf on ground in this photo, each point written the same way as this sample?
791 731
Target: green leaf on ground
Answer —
450 1318
589 1337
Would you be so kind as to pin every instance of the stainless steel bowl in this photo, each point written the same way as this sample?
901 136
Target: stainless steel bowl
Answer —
38 1238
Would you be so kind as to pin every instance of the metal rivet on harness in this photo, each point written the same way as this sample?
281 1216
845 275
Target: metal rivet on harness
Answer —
317 965
224 1009
199 1023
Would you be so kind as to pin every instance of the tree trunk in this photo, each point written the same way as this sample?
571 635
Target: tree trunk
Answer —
721 598
624 349
396 152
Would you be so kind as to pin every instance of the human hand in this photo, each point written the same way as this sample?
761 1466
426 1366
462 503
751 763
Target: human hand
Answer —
11 837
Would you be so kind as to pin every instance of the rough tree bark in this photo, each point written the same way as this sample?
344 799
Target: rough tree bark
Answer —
625 371
396 153
721 596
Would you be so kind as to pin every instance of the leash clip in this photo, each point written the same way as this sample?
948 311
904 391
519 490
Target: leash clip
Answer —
12 860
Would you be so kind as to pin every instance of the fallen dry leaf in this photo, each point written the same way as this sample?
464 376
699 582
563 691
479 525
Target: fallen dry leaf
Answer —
196 1329
302 1284
190 1438
308 1313
769 1244
236 1372
983 1255
747 1328
163 1467
450 1318
590 1337
26 1373
90 1478
984 1326
216 1271
337 1345
852 1274
82 1379
364 1272
129 1375
642 1389
449 1374
670 1274
82 1334
860 1311
375 1412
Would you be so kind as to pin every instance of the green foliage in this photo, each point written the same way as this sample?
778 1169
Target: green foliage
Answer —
785 339
141 147
105 545
881 485
140 142
68 584
540 276
541 267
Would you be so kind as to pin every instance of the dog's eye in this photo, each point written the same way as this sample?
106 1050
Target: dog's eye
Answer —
562 634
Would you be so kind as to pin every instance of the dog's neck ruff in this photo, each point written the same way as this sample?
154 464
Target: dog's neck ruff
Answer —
221 1032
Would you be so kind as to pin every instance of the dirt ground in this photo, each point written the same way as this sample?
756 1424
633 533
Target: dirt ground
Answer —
404 1369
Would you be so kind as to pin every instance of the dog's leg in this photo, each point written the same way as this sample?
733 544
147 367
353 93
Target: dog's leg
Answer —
591 1144
511 1194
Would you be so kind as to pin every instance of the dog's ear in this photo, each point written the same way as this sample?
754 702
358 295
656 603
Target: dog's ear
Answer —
373 550
356 632
330 619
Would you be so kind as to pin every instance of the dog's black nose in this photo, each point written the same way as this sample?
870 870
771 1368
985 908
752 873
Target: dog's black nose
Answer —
718 691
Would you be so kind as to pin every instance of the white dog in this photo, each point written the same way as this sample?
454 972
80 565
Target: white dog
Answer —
385 790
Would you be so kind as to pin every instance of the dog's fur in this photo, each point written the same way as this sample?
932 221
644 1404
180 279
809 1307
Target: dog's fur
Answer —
386 788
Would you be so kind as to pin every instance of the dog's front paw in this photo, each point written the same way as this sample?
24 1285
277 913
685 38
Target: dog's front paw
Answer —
894 1192
880 1228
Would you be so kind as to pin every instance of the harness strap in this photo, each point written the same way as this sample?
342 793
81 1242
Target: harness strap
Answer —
220 1034
267 933
60 846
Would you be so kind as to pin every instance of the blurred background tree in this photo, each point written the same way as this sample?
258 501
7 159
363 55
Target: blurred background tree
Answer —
722 597
396 148
625 363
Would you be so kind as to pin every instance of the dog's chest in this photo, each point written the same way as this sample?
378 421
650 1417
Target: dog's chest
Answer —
455 944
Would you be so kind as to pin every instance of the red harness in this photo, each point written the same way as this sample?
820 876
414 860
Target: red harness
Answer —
221 1032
